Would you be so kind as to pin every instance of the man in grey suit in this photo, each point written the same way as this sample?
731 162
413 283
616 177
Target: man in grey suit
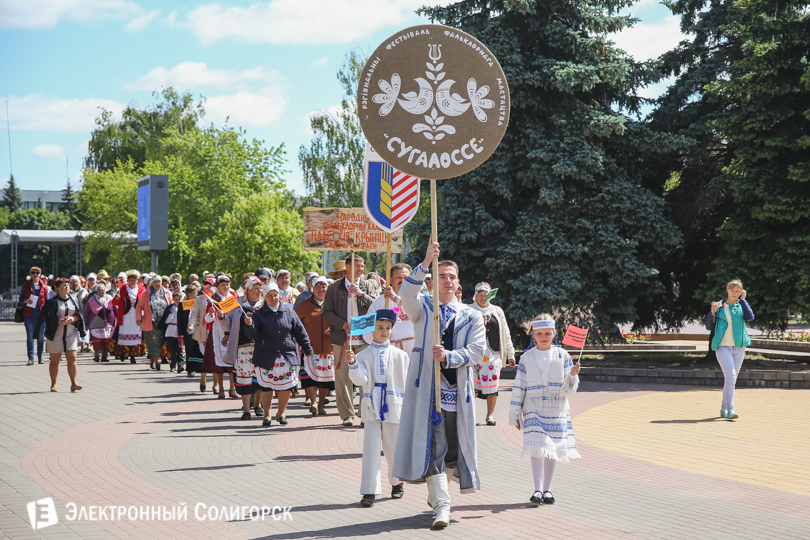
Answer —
337 312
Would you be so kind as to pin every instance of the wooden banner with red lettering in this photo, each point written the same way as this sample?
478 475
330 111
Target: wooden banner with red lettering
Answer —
345 229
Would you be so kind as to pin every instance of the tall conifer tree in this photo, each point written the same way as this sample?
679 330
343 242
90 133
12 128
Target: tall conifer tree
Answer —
558 217
767 236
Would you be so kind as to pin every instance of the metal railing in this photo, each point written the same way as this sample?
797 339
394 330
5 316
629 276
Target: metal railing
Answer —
7 308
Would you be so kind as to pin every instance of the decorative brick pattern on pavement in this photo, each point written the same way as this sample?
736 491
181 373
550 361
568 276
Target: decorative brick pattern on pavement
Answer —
137 437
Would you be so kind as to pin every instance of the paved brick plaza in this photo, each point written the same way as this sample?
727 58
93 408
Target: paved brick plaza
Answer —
656 463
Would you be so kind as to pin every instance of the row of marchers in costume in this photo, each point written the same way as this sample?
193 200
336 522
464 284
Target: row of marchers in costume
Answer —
437 446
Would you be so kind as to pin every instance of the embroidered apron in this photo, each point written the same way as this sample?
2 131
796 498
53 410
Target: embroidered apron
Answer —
320 367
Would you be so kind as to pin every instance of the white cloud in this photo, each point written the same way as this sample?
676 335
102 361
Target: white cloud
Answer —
257 99
49 151
82 148
321 62
650 40
37 112
246 109
28 14
292 22
193 75
139 23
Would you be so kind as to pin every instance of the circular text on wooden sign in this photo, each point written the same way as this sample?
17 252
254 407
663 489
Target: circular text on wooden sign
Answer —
433 101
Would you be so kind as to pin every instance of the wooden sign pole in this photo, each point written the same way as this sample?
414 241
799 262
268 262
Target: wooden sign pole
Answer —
388 267
351 303
437 326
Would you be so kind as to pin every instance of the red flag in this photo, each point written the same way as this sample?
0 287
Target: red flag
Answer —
575 337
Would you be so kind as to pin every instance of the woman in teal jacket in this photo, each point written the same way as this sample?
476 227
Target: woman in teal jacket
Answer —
728 318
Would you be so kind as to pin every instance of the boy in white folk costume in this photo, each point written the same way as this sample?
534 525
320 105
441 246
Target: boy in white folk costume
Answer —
438 446
381 371
545 378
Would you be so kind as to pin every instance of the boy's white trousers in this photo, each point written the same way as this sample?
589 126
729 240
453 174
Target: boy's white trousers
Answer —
378 436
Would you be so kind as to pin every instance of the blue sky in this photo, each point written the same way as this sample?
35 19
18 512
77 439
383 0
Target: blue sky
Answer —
265 64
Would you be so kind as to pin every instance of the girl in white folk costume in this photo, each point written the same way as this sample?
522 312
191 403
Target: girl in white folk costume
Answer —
546 376
499 347
381 370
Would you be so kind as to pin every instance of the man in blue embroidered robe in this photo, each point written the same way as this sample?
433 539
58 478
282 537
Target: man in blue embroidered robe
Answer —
437 446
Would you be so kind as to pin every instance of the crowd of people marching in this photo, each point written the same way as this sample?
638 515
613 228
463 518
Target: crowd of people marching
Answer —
274 339
181 327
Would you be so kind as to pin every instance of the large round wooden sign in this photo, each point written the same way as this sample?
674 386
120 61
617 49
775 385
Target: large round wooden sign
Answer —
433 101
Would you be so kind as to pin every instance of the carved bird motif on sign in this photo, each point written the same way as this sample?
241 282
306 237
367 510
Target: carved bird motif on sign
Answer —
418 104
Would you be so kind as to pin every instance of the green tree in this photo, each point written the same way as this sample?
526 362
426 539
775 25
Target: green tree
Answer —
109 200
273 238
215 175
333 164
699 200
558 217
12 198
768 88
69 198
140 133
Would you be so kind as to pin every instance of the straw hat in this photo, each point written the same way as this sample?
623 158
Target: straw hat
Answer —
339 266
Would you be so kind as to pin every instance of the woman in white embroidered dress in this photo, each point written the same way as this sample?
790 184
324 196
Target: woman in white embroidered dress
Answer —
130 336
499 348
545 378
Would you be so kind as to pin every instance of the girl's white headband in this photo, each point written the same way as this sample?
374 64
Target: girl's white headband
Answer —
543 324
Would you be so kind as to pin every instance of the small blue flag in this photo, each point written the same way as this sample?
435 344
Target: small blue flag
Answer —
363 324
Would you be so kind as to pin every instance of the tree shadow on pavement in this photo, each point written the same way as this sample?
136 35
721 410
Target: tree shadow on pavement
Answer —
421 522
197 420
319 457
210 468
695 421
598 386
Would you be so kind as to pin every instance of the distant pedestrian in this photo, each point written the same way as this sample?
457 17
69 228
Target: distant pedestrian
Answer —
727 320
499 349
194 332
148 312
64 326
286 293
99 316
239 348
343 301
317 370
33 296
307 292
276 329
130 336
214 360
172 332
78 290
